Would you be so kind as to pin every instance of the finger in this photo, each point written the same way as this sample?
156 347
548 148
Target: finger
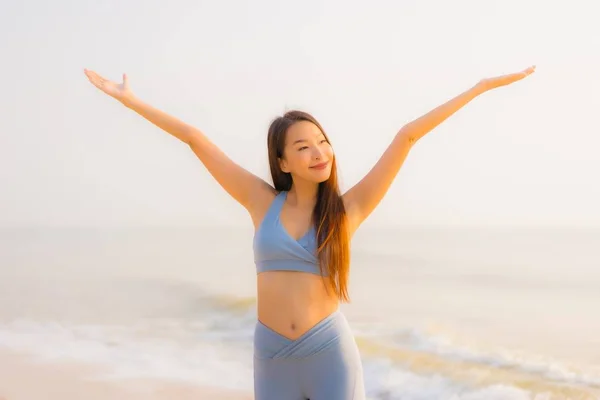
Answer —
90 73
94 76
99 83
98 77
96 80
529 70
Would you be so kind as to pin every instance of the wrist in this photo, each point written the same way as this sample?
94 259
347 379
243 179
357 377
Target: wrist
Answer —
128 100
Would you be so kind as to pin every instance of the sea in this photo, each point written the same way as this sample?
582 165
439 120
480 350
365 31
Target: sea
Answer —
457 313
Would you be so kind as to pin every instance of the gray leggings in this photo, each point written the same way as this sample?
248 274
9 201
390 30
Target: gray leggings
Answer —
322 364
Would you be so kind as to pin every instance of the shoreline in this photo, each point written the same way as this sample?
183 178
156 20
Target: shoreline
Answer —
22 377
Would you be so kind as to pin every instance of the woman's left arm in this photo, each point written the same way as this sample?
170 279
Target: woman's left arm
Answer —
362 198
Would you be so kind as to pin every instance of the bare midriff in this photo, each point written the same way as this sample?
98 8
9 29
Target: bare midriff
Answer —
290 302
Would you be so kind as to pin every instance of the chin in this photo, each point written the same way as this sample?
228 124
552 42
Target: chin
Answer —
321 176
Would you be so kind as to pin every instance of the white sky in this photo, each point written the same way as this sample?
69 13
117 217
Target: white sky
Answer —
525 154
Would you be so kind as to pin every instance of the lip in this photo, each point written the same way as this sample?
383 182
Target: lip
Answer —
320 165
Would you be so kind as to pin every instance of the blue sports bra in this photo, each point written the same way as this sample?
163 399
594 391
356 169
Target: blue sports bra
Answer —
276 250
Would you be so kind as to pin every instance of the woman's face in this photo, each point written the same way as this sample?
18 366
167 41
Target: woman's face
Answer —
307 154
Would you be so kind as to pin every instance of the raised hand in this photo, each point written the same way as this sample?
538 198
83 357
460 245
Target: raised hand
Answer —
119 91
503 80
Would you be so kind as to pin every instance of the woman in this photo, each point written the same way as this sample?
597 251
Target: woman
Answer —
303 346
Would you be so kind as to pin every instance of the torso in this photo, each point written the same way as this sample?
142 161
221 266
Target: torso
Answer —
290 302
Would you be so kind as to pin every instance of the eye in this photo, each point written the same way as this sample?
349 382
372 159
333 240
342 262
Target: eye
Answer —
324 141
303 148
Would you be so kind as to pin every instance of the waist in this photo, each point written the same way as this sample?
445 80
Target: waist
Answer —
298 265
292 302
332 330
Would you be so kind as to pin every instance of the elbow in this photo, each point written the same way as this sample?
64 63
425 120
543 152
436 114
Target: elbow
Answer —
407 136
191 138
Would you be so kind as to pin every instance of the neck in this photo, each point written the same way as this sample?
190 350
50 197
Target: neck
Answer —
304 193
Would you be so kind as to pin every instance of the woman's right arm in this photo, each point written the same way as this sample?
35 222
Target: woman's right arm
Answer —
246 188
241 184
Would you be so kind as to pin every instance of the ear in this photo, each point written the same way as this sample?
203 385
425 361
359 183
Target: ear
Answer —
283 165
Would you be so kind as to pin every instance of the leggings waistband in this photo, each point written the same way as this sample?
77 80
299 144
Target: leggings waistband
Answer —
272 345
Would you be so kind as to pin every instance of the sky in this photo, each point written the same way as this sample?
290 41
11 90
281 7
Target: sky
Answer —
527 154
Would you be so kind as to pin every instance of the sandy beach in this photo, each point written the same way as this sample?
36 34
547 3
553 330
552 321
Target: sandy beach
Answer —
23 378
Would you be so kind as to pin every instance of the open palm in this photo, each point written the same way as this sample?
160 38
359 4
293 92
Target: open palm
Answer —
119 91
503 80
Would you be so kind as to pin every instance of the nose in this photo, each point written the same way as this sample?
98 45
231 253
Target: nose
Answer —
317 154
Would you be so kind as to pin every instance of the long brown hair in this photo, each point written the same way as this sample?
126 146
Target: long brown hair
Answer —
329 215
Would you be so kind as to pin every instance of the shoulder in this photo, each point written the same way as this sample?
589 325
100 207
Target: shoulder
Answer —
262 200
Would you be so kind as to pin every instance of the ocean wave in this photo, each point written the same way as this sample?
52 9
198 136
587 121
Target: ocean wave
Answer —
213 345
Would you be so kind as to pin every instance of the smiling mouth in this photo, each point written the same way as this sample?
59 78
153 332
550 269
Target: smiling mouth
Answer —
320 166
